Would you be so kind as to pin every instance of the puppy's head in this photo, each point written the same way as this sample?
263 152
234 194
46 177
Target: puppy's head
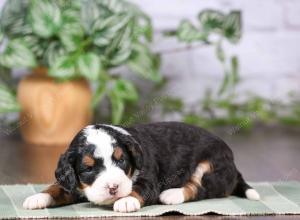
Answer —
100 162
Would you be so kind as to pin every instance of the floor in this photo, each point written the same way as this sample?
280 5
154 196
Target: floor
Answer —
266 154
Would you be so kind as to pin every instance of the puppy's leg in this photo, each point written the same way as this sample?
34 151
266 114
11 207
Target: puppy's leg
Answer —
54 195
190 190
144 192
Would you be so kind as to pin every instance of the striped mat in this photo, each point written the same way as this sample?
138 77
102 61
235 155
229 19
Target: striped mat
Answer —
276 198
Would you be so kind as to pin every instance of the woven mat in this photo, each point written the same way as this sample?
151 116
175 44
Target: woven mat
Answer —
276 198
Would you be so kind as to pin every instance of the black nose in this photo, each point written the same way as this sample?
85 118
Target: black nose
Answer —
113 189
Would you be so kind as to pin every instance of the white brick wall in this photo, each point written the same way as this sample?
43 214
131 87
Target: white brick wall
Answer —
269 52
291 14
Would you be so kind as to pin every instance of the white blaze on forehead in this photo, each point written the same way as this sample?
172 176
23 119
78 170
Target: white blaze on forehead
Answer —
98 192
119 129
103 142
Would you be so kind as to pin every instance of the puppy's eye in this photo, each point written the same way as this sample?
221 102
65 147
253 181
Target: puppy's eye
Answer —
88 169
121 161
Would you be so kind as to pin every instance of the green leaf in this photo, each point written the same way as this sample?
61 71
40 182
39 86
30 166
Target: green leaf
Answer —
232 27
35 45
225 83
89 13
6 79
116 6
235 69
187 32
122 90
89 66
120 49
144 63
54 51
117 107
211 20
289 120
99 93
220 52
1 36
71 33
8 101
143 27
68 3
195 119
45 17
111 25
106 30
172 104
13 16
63 68
147 28
17 54
125 89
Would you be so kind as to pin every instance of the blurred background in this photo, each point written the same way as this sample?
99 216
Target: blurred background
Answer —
227 65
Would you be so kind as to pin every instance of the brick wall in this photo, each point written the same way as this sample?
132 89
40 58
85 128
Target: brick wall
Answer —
269 51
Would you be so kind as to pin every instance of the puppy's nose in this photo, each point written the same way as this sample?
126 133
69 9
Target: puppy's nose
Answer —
113 189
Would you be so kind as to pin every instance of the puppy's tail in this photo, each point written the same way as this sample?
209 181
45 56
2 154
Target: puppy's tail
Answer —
242 189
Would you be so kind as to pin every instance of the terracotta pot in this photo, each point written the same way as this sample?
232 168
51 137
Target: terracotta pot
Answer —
52 112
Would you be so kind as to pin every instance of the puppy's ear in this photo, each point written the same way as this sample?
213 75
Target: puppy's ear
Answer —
65 173
134 149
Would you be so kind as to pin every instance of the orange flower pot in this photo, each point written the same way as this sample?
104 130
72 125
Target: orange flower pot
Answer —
52 112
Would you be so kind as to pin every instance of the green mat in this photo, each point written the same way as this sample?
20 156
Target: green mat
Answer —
276 198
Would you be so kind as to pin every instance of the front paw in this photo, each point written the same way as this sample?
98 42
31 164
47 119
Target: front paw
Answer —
127 204
38 201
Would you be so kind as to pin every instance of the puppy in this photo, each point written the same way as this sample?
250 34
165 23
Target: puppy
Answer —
166 162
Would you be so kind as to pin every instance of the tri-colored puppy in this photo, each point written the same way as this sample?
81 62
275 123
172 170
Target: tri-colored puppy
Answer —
166 162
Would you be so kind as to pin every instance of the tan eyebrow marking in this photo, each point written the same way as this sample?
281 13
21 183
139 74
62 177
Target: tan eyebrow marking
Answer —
118 152
88 161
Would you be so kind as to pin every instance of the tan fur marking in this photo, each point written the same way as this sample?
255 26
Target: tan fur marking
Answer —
88 161
83 185
138 197
118 152
195 180
60 196
53 190
206 166
190 189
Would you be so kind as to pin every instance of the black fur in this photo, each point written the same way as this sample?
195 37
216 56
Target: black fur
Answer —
65 173
87 174
127 142
167 154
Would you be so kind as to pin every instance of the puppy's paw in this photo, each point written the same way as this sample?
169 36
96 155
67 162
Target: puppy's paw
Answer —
38 201
172 196
127 204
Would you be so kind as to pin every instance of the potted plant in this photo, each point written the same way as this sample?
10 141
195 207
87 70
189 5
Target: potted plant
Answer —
69 46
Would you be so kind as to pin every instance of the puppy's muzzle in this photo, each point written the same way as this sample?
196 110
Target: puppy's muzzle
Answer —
113 189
